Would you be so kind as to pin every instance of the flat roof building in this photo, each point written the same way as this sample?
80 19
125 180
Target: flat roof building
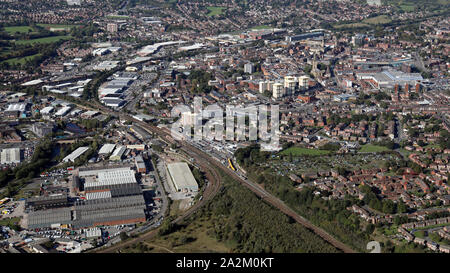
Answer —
42 129
10 156
106 178
75 154
106 149
118 153
140 164
182 177
63 111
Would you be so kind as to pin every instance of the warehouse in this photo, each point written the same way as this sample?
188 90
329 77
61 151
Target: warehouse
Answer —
42 129
49 218
44 202
113 102
389 78
98 195
136 201
108 217
106 149
182 177
140 164
112 178
63 111
117 190
118 153
75 154
109 211
11 156
85 172
47 110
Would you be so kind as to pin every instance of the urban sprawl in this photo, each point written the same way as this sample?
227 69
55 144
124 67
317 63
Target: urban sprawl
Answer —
88 88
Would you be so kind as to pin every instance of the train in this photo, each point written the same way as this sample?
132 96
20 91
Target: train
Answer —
230 164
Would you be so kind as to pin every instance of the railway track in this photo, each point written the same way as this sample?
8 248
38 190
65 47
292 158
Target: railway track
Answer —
208 165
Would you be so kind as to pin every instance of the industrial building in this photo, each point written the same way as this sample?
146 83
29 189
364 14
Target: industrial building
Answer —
11 156
118 153
106 65
45 202
140 164
113 197
106 149
109 191
91 213
47 110
85 172
113 102
41 129
107 178
49 218
182 177
389 78
63 111
75 154
304 36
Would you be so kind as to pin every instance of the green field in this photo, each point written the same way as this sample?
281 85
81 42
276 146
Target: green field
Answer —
57 26
261 27
5 51
21 60
407 7
215 11
45 40
410 5
299 151
7 221
117 17
20 29
382 19
199 241
369 148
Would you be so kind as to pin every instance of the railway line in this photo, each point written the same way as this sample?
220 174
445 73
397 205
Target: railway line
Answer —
208 165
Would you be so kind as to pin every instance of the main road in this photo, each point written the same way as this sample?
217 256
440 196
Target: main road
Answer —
210 166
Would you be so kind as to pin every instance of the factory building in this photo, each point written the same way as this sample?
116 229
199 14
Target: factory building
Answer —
118 153
182 177
75 154
114 198
11 156
86 172
107 178
49 218
390 78
92 213
63 111
304 36
106 149
42 129
140 164
45 202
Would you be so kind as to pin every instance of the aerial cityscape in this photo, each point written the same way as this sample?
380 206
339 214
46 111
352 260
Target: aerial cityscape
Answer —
233 126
